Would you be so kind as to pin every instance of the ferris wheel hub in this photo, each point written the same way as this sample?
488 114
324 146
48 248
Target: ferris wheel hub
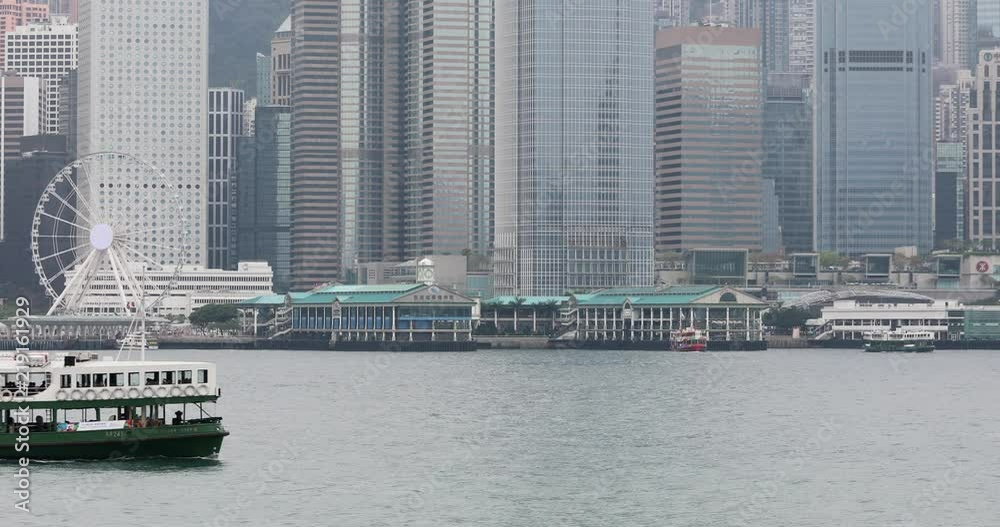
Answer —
101 236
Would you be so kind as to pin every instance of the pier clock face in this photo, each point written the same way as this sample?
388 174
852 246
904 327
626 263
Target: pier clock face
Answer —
425 274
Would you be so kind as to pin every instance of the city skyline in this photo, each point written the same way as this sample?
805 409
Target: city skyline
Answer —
398 150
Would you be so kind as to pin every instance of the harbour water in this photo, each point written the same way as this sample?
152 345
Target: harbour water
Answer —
567 438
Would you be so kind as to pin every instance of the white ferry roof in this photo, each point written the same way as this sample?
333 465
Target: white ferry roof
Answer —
134 364
9 364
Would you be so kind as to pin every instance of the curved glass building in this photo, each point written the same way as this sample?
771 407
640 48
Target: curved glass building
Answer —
574 145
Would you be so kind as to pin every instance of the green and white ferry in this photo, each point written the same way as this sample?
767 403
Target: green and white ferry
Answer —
899 340
81 407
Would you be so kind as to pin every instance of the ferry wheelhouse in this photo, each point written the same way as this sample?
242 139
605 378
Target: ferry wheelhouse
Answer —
82 407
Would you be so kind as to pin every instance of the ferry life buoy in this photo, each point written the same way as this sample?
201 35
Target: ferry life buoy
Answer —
148 392
203 390
161 391
133 393
76 395
190 390
7 395
176 391
118 393
105 394
62 395
90 395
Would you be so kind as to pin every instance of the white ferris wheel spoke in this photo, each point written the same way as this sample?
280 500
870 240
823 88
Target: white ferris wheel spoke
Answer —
60 253
43 213
78 297
84 200
69 267
72 283
140 255
79 214
102 208
116 272
130 280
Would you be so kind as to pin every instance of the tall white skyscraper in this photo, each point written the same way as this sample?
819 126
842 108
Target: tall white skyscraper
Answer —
574 146
46 51
143 91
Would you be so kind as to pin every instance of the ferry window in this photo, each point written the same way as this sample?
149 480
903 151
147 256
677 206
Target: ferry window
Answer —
100 380
117 379
167 377
184 377
65 381
83 380
152 378
133 378
203 376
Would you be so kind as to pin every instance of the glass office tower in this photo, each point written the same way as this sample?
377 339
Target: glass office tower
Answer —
574 190
874 124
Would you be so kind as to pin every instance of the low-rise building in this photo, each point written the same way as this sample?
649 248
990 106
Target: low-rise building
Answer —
850 319
724 314
369 316
188 288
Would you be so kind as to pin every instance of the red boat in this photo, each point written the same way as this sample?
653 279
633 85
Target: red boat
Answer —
689 339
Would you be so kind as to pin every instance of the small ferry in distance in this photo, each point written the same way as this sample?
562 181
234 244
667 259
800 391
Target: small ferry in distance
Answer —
899 340
139 340
81 407
689 339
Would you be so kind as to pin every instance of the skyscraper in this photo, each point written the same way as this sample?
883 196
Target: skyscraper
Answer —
143 91
14 13
19 100
949 193
802 36
263 79
775 33
413 111
671 13
957 32
574 181
264 203
47 51
447 87
788 163
708 139
65 8
69 110
281 66
370 149
951 107
225 124
988 25
874 112
983 190
317 228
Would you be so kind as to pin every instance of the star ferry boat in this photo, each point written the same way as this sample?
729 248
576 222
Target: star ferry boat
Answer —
81 407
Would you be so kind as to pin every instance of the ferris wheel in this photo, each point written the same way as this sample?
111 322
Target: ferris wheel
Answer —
109 236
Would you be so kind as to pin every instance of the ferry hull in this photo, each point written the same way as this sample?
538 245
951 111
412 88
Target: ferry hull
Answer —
891 346
181 441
